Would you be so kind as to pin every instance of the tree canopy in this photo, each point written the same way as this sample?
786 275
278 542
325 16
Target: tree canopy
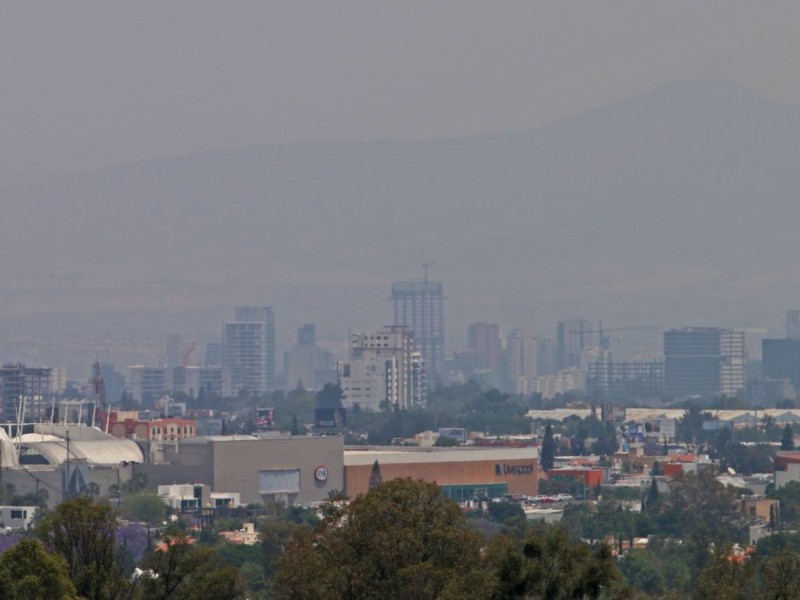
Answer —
29 571
403 539
82 532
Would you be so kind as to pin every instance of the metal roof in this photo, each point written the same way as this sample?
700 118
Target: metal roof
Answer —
97 452
395 455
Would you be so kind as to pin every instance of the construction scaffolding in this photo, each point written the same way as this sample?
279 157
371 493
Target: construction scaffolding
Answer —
420 306
25 394
644 377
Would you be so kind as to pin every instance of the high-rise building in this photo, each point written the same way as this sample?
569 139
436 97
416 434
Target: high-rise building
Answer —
419 305
214 353
547 356
637 377
484 341
522 358
793 324
249 349
383 367
307 335
307 363
781 359
174 353
24 392
148 384
574 337
703 361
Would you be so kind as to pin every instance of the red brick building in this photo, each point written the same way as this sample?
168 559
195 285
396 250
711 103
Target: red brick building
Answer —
170 429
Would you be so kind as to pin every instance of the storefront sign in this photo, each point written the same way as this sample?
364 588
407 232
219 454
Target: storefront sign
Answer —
321 474
501 469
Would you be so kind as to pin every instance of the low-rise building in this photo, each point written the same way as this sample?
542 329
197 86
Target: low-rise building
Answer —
13 518
247 535
760 507
463 473
285 469
163 430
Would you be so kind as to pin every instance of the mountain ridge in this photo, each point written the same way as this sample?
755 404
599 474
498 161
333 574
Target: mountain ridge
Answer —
666 192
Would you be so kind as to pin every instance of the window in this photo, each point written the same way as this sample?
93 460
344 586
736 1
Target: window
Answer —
279 481
17 514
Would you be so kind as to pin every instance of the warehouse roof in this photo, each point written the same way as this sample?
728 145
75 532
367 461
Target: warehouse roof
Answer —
355 456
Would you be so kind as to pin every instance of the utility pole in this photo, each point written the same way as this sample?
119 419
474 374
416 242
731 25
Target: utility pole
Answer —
66 475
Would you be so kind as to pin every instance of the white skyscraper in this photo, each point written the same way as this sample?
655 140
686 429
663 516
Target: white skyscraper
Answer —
522 358
383 367
249 349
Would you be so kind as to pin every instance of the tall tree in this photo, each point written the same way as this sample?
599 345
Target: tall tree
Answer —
330 396
83 534
185 572
548 453
404 539
787 439
553 566
29 571
375 477
652 494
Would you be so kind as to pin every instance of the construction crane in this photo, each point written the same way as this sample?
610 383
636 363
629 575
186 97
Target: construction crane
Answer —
188 354
602 334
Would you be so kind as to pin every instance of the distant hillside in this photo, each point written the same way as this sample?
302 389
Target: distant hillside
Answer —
657 209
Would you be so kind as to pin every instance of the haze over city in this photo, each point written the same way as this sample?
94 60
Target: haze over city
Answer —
158 166
357 299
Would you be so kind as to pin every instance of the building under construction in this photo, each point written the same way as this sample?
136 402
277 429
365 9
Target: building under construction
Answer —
419 305
639 377
24 393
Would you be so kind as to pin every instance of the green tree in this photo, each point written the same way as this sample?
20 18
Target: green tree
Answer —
554 567
295 430
726 578
503 511
652 494
779 575
137 483
186 572
82 532
789 496
698 503
330 396
643 571
403 539
375 477
444 441
548 453
146 506
787 440
29 571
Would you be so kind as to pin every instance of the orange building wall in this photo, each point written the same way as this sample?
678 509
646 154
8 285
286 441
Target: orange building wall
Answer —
590 477
356 478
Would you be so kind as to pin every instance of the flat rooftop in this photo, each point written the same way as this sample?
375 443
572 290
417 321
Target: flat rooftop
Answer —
366 455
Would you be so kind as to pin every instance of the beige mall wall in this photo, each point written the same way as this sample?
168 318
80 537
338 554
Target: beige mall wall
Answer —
356 478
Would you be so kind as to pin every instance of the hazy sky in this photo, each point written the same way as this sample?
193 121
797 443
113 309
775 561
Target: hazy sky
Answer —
88 84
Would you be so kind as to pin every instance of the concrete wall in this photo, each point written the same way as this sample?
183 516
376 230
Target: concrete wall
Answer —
237 465
170 474
52 480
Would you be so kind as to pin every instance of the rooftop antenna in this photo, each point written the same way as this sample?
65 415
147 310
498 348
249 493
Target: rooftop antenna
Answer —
98 389
425 270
